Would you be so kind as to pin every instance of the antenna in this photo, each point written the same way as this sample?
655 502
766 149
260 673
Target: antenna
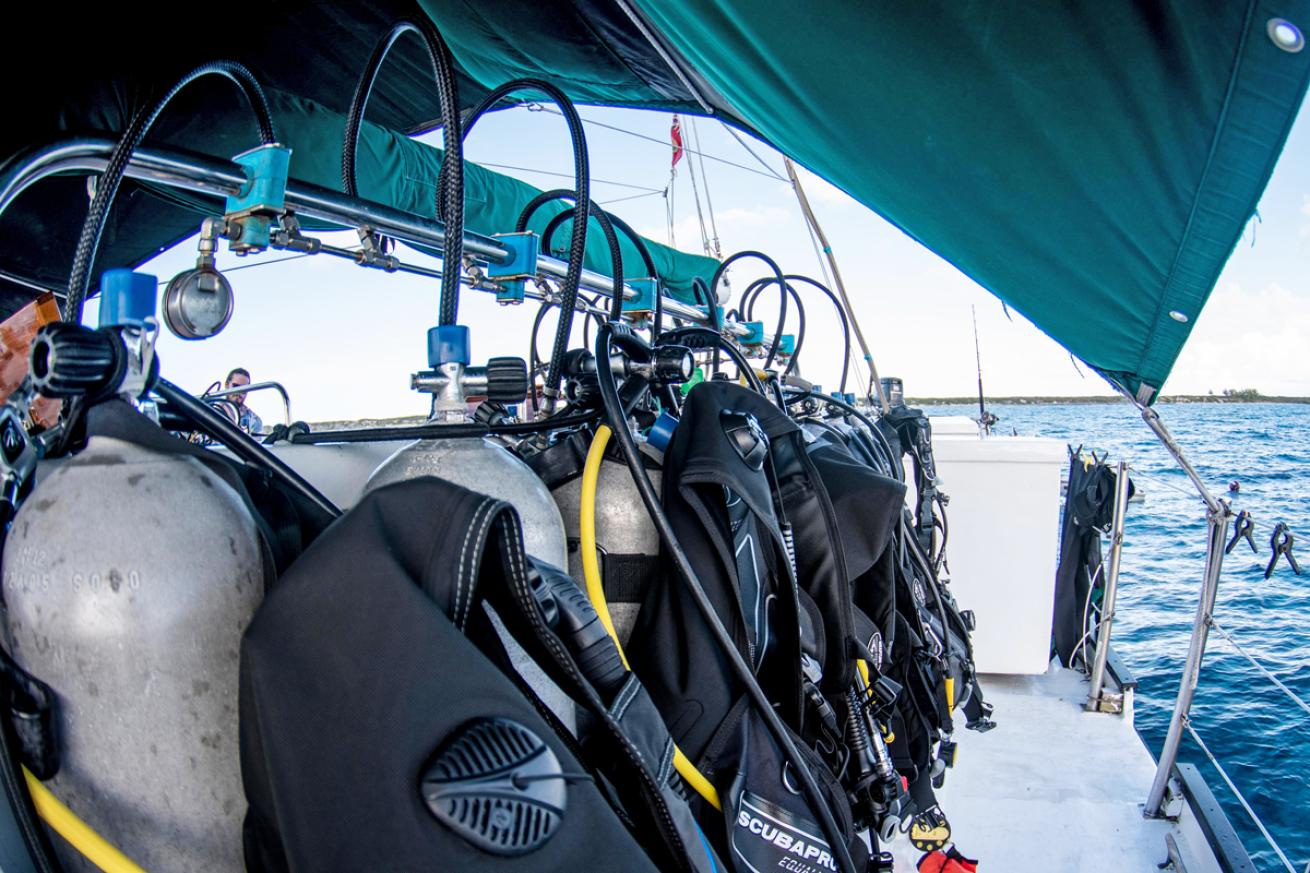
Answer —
985 418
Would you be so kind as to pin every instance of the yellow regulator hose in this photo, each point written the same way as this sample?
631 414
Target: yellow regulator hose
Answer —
596 594
78 833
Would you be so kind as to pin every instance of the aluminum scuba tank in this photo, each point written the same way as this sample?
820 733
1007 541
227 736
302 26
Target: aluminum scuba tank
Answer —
624 533
482 465
129 577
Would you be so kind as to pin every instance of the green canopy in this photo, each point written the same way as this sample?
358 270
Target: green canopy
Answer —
1092 164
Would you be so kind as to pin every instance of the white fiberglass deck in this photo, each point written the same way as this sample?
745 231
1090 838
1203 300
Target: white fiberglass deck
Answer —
1054 788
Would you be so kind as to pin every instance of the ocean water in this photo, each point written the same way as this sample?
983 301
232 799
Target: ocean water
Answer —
1256 733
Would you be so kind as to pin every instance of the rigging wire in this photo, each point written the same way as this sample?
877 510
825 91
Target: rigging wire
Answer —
772 172
1187 723
627 198
717 252
700 215
633 133
646 188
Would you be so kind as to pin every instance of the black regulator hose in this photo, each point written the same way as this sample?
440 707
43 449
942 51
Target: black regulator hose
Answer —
450 197
616 255
777 271
581 198
752 293
841 314
618 422
93 227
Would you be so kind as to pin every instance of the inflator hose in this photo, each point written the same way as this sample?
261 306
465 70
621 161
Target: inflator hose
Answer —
93 227
450 197
596 594
76 832
582 197
609 393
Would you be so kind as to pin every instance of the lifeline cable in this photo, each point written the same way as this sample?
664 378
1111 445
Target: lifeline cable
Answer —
450 197
742 671
93 227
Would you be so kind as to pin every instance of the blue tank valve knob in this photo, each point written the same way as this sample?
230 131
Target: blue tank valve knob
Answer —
127 298
662 431
448 344
849 398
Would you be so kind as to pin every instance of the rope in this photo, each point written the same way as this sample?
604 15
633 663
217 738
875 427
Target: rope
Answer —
1270 676
1187 723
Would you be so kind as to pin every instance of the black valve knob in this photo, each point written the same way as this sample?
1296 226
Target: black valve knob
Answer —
507 380
69 360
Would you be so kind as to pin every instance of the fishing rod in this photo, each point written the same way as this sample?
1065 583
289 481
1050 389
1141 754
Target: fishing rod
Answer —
985 418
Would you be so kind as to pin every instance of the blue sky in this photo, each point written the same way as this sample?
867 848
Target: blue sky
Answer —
344 340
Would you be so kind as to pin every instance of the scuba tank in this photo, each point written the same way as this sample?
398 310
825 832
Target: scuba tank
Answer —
626 539
482 465
137 634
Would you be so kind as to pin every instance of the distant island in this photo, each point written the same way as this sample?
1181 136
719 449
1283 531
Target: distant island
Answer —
1247 395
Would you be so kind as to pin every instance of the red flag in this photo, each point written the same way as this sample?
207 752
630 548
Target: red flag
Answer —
675 136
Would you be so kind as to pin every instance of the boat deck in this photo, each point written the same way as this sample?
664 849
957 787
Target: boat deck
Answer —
1055 788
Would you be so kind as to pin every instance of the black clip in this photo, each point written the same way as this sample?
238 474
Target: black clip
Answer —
1243 525
1281 544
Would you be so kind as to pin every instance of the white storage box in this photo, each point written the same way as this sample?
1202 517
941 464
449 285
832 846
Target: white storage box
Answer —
1004 517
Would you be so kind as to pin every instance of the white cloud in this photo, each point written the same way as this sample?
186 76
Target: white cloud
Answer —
1247 339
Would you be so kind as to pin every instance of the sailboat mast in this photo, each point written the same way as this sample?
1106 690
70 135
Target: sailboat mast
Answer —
874 381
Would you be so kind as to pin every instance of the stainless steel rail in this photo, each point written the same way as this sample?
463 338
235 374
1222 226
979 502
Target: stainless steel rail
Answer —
1217 515
257 386
205 175
1094 701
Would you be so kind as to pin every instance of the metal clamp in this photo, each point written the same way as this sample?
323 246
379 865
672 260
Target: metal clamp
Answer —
1280 543
250 212
512 276
1243 526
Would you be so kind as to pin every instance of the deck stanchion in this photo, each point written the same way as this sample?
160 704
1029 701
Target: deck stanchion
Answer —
1217 513
1094 701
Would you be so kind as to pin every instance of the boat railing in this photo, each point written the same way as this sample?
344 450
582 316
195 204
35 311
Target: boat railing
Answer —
1296 700
257 386
1095 699
1218 514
